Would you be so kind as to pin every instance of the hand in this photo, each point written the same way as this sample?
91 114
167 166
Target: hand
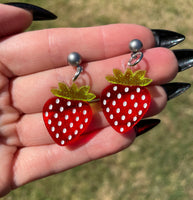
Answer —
33 62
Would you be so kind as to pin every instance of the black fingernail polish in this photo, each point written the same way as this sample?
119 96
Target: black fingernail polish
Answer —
145 125
185 58
175 89
165 38
37 12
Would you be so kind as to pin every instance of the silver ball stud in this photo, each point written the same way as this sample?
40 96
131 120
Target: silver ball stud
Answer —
135 45
74 59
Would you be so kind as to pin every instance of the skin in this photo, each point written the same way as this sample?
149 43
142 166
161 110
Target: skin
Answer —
33 62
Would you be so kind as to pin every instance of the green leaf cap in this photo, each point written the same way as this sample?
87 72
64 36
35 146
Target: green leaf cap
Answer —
73 92
129 78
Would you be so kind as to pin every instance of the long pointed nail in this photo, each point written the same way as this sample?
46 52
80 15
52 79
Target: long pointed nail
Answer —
165 38
175 89
145 125
185 58
37 12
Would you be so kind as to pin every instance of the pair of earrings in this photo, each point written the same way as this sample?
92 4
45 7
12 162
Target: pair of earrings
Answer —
124 102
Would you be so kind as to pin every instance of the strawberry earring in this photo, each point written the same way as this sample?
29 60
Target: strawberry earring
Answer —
126 100
68 114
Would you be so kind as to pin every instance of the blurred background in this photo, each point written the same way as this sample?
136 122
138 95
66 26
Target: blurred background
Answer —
159 165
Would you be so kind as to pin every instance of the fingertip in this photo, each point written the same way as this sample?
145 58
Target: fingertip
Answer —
172 63
164 65
120 35
144 34
13 20
158 102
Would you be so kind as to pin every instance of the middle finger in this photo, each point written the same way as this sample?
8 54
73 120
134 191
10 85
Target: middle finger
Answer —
29 93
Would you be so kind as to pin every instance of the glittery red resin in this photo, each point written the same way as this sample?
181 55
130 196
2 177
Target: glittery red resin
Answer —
65 119
124 106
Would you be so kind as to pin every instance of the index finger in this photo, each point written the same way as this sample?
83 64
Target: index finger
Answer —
36 51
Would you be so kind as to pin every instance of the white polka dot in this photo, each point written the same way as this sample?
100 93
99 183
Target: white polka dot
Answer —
86 120
118 110
114 103
57 135
75 132
115 88
123 117
126 89
69 137
71 125
129 111
84 112
135 119
128 124
74 111
64 130
62 142
59 123
79 104
107 109
57 101
49 121
143 97
53 129
56 115
81 126
119 96
111 116
116 123
61 109
77 119
46 114
121 129
124 103
145 105
68 103
66 117
140 112
104 102
135 105
132 97
108 94
138 90
50 106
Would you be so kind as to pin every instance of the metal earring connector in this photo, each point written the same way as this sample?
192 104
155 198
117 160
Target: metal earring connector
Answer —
135 46
74 59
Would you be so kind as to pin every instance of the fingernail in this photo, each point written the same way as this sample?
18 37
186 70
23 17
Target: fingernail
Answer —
185 58
37 12
145 125
165 38
175 89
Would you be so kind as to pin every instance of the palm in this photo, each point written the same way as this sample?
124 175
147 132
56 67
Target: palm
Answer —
32 63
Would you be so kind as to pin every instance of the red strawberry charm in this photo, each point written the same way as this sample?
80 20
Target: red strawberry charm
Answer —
126 101
68 115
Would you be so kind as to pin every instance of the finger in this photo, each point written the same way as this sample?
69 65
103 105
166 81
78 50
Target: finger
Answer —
160 64
7 153
48 49
105 142
13 20
31 130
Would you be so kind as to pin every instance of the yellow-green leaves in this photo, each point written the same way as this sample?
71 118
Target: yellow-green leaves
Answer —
73 92
129 78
